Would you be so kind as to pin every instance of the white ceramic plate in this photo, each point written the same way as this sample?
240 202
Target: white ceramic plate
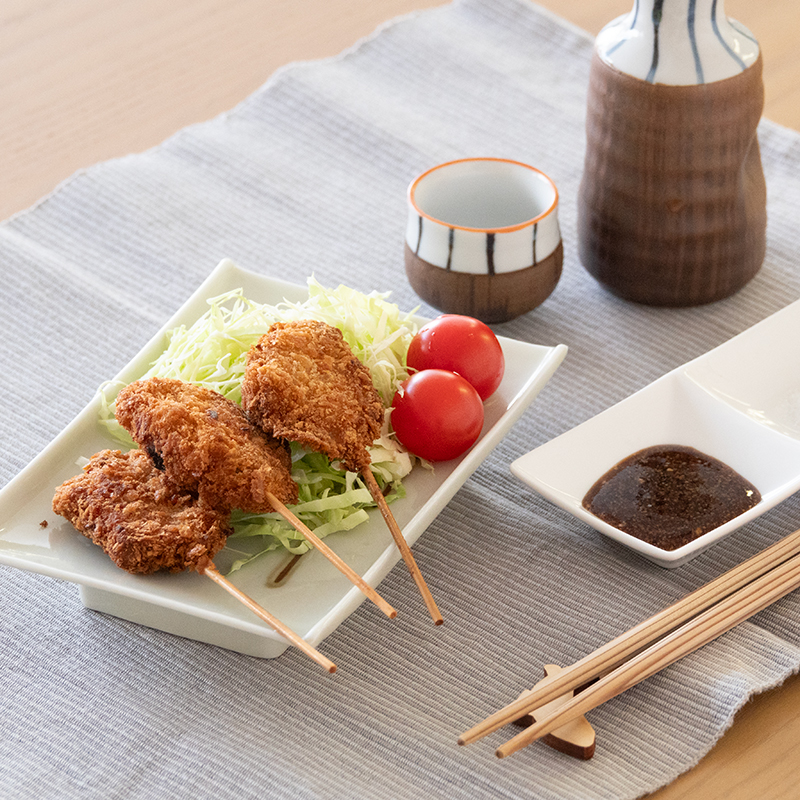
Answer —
316 597
739 403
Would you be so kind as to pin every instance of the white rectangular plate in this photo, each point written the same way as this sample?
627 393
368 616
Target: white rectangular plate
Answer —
317 597
739 403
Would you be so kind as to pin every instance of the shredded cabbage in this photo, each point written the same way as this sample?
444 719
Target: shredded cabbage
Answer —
212 351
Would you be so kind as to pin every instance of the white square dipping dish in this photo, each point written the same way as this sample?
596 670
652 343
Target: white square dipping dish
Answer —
739 403
317 597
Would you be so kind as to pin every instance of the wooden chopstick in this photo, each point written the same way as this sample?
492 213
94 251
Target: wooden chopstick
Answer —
402 545
337 562
610 655
713 622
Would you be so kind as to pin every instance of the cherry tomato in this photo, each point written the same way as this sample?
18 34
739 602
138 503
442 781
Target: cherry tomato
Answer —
437 415
463 345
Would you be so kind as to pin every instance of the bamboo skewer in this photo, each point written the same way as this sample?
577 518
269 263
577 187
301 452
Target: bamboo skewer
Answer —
313 539
402 545
704 628
211 571
610 655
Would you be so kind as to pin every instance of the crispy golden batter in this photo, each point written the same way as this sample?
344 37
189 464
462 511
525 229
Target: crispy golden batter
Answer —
303 383
124 504
205 443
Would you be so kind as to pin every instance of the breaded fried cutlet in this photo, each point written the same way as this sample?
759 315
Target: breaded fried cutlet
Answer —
124 504
205 444
303 383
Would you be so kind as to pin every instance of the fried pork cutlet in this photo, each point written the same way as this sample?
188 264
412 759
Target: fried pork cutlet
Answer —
303 383
205 444
124 504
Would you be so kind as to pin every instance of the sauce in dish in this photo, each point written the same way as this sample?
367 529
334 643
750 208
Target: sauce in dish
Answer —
669 495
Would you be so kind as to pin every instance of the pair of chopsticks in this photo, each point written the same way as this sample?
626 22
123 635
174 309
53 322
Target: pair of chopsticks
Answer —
654 644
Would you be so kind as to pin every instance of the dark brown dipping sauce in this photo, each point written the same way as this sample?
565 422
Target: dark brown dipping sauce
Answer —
668 495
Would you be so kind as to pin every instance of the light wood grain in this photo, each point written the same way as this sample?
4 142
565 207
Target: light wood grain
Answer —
88 80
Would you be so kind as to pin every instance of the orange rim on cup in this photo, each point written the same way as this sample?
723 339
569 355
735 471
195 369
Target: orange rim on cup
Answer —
483 238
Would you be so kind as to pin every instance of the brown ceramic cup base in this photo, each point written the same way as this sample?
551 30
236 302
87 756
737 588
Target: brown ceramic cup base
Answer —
489 298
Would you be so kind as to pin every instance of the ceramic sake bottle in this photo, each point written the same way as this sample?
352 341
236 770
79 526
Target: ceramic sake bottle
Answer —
672 203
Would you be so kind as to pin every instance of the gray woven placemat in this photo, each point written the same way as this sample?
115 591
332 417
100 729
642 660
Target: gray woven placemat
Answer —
309 175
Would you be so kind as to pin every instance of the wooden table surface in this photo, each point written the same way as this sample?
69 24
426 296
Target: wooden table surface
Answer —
87 80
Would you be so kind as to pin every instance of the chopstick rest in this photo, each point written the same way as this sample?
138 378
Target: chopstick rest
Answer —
575 738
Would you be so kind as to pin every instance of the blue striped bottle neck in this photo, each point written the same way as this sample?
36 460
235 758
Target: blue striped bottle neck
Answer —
678 42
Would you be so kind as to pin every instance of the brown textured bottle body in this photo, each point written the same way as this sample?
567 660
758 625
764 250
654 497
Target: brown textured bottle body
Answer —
672 204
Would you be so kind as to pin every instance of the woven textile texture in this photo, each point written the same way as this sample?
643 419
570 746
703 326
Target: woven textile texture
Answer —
306 176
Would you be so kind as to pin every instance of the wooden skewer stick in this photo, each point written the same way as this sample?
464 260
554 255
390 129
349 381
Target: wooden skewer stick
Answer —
211 571
610 655
402 545
337 562
704 628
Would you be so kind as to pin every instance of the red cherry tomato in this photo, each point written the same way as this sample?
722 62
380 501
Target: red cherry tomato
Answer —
437 415
463 345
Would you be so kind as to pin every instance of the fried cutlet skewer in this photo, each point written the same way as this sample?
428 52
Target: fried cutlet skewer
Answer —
303 383
205 444
124 504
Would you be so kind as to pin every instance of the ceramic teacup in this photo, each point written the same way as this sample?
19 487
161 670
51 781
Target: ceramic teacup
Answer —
483 238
